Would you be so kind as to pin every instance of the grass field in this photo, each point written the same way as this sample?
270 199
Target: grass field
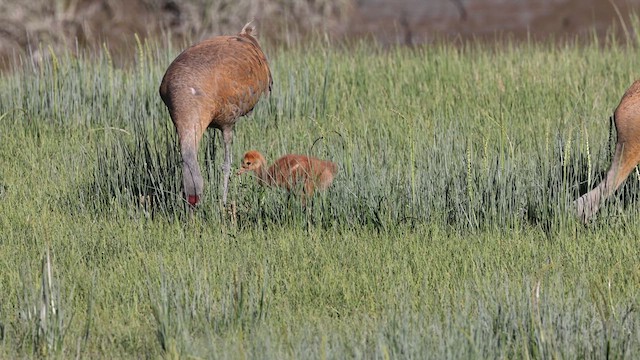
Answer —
448 232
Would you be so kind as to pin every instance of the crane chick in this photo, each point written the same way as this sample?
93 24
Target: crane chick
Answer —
212 84
291 171
626 157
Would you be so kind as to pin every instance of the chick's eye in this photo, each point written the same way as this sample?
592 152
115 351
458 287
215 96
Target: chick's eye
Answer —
248 163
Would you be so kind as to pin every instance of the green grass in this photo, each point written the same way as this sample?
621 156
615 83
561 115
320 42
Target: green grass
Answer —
448 232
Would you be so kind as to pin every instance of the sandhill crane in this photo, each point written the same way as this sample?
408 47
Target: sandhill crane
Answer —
626 157
290 171
212 84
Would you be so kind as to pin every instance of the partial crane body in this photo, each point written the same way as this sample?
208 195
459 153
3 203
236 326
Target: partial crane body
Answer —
626 157
291 171
212 84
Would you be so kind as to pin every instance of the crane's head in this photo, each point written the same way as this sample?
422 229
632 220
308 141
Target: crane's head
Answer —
192 193
252 161
191 179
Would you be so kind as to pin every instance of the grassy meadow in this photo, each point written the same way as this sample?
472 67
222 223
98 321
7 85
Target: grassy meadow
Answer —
447 233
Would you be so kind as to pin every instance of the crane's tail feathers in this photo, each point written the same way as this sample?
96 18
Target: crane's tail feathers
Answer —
248 29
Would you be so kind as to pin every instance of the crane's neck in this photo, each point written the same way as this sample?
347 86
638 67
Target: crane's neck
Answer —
191 177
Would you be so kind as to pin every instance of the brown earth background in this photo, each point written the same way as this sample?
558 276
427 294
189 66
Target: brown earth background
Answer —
29 26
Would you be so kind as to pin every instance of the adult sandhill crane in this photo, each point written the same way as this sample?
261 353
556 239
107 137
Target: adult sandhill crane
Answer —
626 157
291 170
212 84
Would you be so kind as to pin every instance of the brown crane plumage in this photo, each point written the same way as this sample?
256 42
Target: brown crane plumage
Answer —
212 84
290 171
626 157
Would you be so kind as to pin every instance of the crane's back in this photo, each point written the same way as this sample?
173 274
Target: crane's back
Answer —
216 81
627 115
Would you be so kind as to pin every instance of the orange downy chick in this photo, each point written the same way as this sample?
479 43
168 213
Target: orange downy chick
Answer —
290 171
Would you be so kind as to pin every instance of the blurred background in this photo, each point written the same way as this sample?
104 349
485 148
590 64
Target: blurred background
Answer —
28 26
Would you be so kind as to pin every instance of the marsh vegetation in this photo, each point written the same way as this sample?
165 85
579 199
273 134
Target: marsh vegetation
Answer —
447 233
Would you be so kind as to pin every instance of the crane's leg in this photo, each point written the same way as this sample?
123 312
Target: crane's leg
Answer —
227 135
